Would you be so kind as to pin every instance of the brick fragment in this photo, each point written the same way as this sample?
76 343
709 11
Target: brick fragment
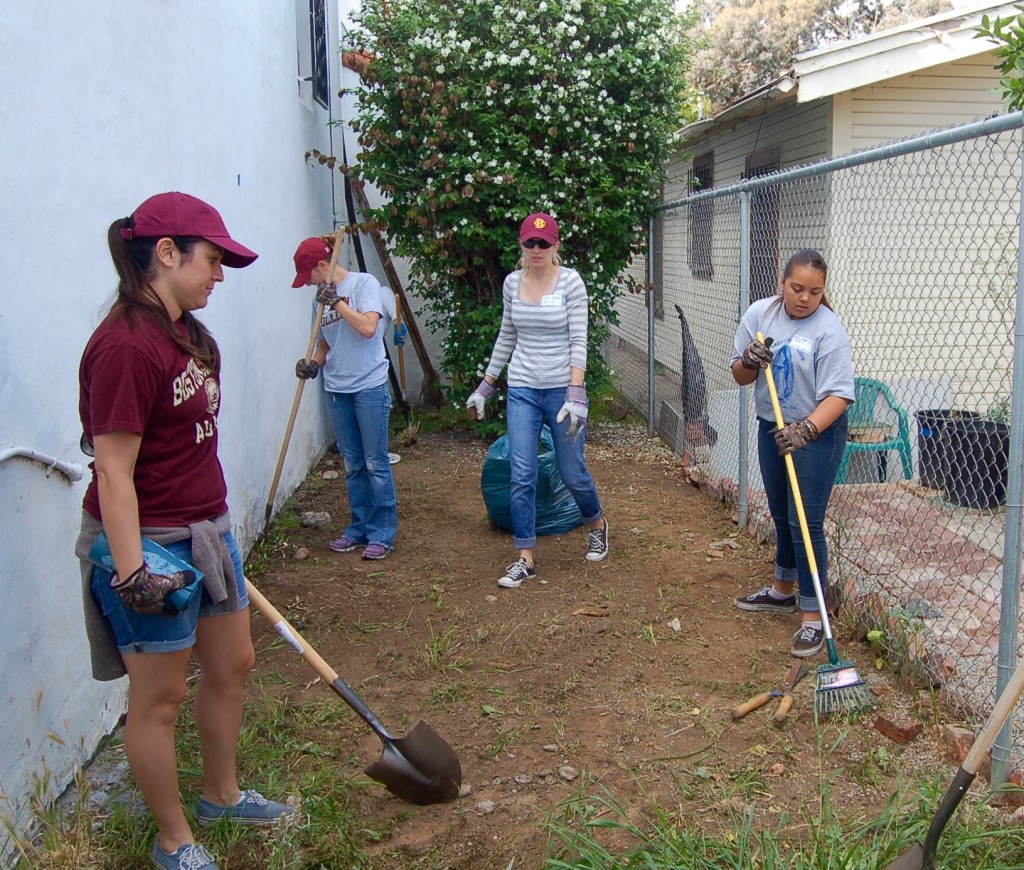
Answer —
901 734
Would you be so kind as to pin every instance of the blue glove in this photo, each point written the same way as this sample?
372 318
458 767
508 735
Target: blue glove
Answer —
399 335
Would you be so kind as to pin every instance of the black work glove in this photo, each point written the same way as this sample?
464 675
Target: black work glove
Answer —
326 294
756 355
145 592
794 436
307 370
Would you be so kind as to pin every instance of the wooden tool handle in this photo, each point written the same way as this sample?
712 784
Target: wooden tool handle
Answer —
269 509
739 712
784 706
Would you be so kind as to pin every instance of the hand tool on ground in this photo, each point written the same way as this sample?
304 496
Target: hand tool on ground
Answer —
840 688
796 674
269 509
922 855
420 768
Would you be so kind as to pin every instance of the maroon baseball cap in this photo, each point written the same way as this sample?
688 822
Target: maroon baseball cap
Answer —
178 214
539 226
309 252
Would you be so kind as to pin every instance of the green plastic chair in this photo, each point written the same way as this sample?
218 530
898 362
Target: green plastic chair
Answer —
876 413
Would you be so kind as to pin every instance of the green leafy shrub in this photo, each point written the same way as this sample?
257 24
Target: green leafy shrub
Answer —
475 114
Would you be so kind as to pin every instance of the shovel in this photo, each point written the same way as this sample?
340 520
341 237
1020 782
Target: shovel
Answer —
420 768
922 855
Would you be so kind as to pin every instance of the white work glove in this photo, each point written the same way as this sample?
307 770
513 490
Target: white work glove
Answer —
476 399
575 408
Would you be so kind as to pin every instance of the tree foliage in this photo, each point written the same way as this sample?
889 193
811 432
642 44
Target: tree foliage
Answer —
1008 34
744 44
476 113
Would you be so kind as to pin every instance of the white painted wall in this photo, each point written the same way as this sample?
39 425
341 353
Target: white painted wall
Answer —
101 105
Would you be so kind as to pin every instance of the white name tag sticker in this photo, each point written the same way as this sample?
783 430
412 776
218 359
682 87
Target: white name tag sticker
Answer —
551 299
801 344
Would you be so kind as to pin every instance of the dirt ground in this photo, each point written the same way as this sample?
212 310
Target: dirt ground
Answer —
617 675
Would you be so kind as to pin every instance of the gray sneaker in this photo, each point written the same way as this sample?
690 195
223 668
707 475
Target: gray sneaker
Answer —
762 602
191 856
516 574
252 809
597 544
807 642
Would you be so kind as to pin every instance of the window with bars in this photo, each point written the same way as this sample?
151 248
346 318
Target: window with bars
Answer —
764 225
320 76
702 216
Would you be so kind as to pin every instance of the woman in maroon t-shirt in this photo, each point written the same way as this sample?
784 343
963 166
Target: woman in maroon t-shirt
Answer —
150 397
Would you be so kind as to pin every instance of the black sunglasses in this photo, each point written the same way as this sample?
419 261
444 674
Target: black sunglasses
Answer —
537 243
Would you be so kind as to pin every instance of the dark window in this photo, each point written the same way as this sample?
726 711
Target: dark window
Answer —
764 225
702 214
318 50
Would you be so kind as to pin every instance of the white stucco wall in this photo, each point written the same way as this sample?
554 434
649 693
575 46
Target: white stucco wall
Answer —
101 105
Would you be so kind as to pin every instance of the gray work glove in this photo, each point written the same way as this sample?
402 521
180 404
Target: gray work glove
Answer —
307 370
575 408
757 355
794 436
327 294
481 394
145 592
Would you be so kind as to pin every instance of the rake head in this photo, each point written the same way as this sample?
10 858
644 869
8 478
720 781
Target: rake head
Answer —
841 690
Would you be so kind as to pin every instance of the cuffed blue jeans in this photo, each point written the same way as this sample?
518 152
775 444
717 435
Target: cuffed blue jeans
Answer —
360 422
817 464
528 410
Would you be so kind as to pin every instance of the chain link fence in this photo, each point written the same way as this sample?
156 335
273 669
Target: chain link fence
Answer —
921 238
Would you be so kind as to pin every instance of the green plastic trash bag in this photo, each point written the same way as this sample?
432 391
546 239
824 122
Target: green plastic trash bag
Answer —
557 511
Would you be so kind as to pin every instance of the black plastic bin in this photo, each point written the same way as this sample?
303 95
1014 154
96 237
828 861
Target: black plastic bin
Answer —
977 454
931 459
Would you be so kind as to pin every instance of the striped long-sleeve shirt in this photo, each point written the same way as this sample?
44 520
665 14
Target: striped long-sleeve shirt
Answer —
543 339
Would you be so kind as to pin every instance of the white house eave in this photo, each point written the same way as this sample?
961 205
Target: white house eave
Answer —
751 103
918 45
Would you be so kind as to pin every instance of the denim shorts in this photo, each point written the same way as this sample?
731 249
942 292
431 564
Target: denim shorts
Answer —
139 633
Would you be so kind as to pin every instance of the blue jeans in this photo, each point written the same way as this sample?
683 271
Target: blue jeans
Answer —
528 410
817 465
360 422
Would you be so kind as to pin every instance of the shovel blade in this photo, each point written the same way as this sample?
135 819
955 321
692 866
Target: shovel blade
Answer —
420 768
912 859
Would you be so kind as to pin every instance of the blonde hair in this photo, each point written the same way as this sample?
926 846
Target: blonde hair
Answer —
522 264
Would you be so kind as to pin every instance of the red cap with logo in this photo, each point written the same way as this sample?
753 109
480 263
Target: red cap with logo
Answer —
178 214
539 226
309 252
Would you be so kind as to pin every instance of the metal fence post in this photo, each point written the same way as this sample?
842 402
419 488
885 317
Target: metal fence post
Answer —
743 503
1010 597
649 296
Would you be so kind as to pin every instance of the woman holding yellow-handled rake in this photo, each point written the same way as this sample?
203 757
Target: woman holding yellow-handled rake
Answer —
810 355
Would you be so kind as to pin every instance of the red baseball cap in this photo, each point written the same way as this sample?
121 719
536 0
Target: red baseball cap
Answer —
539 226
178 214
309 252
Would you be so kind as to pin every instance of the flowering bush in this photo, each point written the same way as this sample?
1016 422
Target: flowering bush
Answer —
477 112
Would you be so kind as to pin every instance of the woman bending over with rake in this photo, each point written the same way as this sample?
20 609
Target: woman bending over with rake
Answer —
809 352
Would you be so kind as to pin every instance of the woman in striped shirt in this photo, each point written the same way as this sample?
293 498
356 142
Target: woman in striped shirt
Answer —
543 339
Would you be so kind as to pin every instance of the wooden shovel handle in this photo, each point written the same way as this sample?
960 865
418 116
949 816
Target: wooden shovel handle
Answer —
269 509
739 712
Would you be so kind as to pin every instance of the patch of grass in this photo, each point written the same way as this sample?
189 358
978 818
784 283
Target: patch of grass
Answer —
594 831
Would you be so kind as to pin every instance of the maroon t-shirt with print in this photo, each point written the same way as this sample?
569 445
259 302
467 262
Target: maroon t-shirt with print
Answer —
135 379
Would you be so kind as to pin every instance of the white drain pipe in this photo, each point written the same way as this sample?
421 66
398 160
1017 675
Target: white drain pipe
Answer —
71 470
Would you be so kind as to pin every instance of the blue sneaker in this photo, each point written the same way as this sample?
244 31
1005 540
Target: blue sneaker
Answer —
252 809
191 856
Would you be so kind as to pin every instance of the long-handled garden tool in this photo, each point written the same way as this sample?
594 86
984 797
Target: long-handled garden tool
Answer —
796 674
269 509
922 855
840 688
420 768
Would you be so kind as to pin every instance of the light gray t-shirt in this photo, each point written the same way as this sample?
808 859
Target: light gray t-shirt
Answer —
354 363
813 358
544 339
